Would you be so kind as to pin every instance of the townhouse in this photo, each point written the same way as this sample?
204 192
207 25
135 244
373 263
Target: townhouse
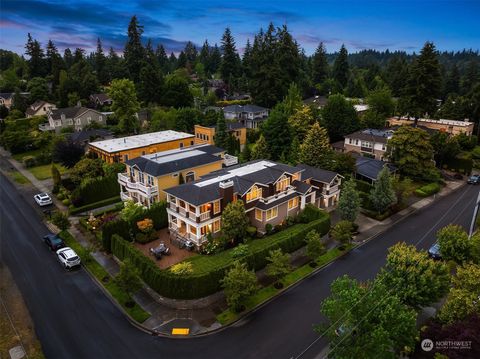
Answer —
126 148
147 176
271 192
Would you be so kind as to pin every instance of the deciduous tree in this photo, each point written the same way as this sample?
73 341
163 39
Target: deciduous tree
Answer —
454 243
234 222
125 104
238 284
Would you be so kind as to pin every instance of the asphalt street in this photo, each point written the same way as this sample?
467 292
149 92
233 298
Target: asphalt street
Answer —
74 319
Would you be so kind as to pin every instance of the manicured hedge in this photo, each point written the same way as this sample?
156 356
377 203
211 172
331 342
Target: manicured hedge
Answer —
428 190
94 205
459 164
95 190
209 270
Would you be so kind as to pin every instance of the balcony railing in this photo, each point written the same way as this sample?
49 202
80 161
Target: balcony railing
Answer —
172 205
204 216
366 149
132 185
230 160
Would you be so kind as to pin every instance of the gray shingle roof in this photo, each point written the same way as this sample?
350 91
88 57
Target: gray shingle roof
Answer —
275 202
373 135
301 187
86 135
370 167
244 108
69 112
317 173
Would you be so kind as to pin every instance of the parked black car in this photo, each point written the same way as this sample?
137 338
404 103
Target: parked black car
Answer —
475 179
54 242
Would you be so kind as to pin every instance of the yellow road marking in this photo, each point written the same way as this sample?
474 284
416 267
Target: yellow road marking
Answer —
180 331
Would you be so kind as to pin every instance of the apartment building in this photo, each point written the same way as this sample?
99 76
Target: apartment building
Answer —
147 176
450 126
370 142
271 192
206 134
127 148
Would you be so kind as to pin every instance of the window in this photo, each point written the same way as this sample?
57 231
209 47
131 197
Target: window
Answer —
125 157
100 118
272 213
190 177
172 198
89 119
193 230
283 183
258 215
254 193
293 203
216 226
69 121
192 208
150 180
350 141
78 121
143 153
181 144
205 208
191 143
216 207
356 142
181 203
366 144
205 230
141 177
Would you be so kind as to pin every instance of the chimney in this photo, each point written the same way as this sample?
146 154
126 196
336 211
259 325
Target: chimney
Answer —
79 104
226 191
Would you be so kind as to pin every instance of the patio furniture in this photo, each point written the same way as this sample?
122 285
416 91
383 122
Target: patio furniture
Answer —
156 253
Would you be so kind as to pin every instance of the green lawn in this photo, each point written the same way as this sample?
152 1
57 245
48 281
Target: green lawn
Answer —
45 171
19 156
136 312
268 292
18 177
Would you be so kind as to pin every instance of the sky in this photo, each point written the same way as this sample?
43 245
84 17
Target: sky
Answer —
363 24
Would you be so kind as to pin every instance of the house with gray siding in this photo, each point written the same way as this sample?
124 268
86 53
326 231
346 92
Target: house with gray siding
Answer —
76 117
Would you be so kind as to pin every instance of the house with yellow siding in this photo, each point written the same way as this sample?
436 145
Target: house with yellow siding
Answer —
127 148
206 134
147 176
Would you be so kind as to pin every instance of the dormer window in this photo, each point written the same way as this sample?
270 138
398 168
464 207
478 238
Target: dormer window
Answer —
254 193
283 183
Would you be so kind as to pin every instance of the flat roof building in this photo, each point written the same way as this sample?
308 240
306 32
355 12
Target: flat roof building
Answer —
126 148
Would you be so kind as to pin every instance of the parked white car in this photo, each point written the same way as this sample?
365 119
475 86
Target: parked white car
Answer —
68 257
43 199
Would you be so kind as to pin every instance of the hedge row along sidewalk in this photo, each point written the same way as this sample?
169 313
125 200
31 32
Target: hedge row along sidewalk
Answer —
97 271
208 270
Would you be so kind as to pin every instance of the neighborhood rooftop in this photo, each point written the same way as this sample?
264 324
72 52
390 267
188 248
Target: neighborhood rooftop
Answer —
464 123
244 108
372 134
137 141
171 161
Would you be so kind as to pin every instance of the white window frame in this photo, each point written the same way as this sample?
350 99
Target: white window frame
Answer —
255 189
270 211
259 211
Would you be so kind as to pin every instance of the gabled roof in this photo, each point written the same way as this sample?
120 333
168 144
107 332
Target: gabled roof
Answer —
173 161
369 134
244 108
301 187
101 97
70 112
318 174
6 95
370 167
34 107
86 135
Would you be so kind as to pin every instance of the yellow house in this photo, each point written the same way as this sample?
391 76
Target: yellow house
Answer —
127 148
147 176
206 134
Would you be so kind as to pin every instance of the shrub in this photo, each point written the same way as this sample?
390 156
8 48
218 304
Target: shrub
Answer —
251 230
240 251
60 219
94 205
29 161
315 247
182 268
145 237
94 190
310 213
66 202
342 232
269 228
428 190
145 225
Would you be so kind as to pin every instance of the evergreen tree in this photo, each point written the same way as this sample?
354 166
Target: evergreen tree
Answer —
182 60
68 57
339 117
349 202
452 83
151 79
190 53
38 89
319 64
382 194
221 135
294 153
260 150
100 64
341 69
277 132
215 59
397 74
424 83
116 67
134 53
288 59
162 59
246 61
230 65
54 62
246 154
177 93
315 150
36 64
471 77
293 100
204 57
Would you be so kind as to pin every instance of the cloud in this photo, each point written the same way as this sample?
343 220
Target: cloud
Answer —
314 39
4 23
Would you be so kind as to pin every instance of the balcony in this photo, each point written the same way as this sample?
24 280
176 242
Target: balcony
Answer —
331 190
172 205
204 216
132 185
366 149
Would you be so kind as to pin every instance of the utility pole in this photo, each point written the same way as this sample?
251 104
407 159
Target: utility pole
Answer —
475 212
